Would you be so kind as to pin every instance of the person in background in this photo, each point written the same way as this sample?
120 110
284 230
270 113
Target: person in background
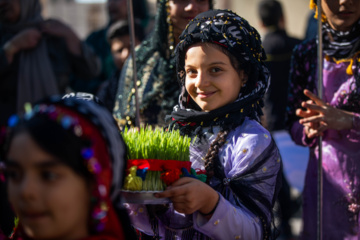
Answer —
37 56
116 10
335 117
223 78
64 166
119 39
278 46
156 75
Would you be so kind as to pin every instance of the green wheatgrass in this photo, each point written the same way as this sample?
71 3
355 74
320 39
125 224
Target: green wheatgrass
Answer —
148 143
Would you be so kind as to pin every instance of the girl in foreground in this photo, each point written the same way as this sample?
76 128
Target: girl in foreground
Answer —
64 167
223 79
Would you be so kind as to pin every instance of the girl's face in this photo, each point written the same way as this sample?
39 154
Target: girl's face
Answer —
182 11
211 80
117 9
341 14
10 11
50 199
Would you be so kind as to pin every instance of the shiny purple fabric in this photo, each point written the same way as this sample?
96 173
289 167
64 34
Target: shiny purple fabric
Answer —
340 150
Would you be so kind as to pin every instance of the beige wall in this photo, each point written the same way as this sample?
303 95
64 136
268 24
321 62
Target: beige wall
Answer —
295 11
84 18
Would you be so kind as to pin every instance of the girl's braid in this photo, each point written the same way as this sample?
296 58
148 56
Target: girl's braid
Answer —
213 152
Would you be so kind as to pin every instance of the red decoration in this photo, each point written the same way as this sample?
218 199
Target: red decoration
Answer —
158 165
170 176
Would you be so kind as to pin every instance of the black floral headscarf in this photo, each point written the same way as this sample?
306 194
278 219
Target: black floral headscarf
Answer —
232 32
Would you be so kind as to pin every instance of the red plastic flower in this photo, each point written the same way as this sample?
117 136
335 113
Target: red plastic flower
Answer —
170 176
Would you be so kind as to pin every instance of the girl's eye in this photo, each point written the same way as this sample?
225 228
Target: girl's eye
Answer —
49 175
13 174
215 70
190 72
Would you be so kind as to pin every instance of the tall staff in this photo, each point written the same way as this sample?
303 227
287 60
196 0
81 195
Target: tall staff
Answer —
320 94
132 47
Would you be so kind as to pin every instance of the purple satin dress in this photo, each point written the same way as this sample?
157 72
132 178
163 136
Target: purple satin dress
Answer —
340 150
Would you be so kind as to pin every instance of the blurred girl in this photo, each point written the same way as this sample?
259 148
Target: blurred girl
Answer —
335 117
223 79
64 168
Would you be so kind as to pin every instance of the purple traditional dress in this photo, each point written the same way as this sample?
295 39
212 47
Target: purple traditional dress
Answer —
340 149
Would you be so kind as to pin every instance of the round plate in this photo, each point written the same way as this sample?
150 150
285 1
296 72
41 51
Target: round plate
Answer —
142 197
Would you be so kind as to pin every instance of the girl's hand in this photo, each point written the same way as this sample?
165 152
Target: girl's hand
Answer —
26 39
189 195
320 116
55 28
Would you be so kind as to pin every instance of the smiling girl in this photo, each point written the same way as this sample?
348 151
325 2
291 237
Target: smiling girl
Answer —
64 167
223 79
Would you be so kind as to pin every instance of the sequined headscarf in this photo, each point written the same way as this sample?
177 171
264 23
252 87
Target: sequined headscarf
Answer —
155 63
234 33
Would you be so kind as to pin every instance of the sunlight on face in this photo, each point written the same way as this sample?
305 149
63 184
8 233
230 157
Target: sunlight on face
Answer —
211 80
50 199
341 14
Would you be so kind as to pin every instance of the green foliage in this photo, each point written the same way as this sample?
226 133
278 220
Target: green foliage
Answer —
147 143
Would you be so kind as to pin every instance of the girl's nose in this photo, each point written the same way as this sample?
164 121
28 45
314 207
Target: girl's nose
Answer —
191 6
201 81
342 2
27 188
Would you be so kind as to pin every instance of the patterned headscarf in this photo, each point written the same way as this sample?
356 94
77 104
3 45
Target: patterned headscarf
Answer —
232 32
103 155
155 63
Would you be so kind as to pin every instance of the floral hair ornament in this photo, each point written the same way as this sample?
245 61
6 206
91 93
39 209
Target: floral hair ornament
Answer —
82 128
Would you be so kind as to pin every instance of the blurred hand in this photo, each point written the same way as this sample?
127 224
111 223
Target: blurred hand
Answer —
320 116
26 39
57 28
189 195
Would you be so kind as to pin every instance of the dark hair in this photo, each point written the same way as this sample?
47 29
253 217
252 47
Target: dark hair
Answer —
270 12
55 140
121 28
214 151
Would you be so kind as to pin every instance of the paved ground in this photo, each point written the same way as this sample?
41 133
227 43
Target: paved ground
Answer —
295 159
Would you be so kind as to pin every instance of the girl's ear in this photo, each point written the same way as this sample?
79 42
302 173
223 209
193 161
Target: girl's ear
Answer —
243 77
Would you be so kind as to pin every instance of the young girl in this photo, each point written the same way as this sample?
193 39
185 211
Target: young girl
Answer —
223 79
335 117
64 168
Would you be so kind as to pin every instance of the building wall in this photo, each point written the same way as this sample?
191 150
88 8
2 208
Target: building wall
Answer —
85 18
296 14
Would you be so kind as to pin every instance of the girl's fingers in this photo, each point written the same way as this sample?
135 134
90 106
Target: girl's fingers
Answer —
170 193
312 119
313 97
313 107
